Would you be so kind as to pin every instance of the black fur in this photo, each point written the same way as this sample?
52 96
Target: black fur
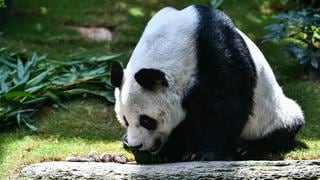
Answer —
220 103
116 74
151 78
125 121
148 122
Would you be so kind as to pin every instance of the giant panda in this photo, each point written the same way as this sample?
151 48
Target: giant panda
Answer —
198 89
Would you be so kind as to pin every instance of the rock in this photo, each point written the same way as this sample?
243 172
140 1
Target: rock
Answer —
79 159
95 33
119 159
306 169
94 156
106 157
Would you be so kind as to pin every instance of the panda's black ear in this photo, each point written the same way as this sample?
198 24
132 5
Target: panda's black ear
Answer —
151 78
116 74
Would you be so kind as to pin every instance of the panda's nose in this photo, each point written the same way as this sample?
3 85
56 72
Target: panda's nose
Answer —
127 146
125 142
135 147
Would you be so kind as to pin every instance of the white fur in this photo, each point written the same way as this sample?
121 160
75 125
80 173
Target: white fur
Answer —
168 44
272 109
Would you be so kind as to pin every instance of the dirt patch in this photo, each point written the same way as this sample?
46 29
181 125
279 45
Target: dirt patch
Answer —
95 33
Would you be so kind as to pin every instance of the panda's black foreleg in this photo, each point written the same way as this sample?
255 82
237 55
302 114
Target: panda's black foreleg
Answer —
214 124
215 143
205 156
212 144
145 157
222 134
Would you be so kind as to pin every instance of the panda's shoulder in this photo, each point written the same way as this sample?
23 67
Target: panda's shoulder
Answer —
208 15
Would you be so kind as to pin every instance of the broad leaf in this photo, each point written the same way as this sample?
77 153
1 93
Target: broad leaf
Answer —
27 83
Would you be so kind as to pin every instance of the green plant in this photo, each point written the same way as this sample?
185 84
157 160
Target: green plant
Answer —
216 3
308 3
2 4
28 82
300 31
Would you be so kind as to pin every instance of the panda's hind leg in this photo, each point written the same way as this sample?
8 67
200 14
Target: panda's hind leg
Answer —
280 140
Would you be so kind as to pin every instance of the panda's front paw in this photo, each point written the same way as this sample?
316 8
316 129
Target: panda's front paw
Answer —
204 156
188 157
145 157
199 156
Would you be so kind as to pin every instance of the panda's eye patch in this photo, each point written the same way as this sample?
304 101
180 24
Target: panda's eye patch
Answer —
125 121
148 123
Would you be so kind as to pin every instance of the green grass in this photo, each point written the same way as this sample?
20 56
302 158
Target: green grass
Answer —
86 124
89 123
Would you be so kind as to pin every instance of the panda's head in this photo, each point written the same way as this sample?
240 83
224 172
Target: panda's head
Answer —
146 106
150 90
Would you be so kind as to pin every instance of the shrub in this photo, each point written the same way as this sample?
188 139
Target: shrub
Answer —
300 31
215 3
307 3
28 82
2 4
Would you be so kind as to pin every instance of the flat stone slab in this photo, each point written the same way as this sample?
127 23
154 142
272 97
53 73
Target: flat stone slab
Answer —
304 169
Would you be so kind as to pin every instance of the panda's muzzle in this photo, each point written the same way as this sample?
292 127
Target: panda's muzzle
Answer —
127 146
154 149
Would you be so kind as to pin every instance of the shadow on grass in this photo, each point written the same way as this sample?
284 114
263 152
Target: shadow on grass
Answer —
298 145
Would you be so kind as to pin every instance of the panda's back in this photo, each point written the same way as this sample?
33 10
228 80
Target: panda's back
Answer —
228 57
273 110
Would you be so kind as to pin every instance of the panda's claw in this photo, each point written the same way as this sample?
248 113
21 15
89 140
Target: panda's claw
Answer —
206 156
187 157
193 157
199 156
